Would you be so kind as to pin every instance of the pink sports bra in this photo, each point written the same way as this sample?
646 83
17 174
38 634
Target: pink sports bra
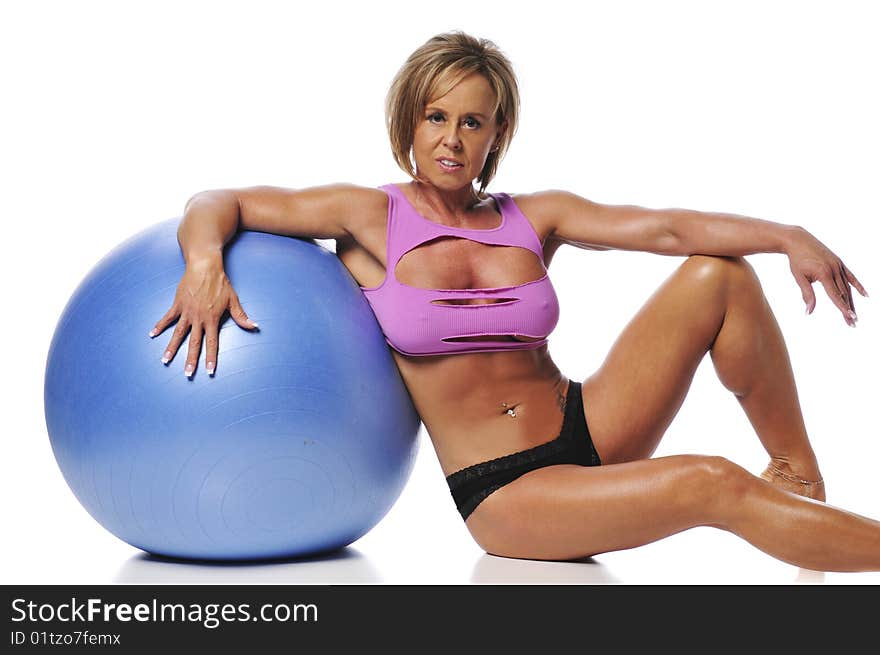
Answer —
414 326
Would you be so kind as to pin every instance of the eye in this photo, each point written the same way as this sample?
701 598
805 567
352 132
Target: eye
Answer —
436 117
472 122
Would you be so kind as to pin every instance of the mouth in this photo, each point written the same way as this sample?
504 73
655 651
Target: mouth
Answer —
449 164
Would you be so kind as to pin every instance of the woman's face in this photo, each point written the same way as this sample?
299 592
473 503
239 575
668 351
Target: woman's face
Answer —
455 134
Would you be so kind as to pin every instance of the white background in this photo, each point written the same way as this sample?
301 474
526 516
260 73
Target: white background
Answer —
114 114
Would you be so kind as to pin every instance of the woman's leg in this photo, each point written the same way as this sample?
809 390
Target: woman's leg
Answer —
709 304
566 512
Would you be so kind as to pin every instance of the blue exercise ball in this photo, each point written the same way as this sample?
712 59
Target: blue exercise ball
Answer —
300 443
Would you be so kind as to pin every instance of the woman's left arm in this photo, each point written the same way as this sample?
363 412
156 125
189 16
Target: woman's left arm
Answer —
809 259
684 232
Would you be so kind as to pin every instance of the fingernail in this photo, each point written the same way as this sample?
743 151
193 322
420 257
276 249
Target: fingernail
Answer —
256 325
853 316
166 357
210 368
152 333
188 371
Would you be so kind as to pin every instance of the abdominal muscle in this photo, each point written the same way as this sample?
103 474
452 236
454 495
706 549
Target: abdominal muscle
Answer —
463 400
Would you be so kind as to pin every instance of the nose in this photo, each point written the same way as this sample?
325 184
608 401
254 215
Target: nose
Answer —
452 139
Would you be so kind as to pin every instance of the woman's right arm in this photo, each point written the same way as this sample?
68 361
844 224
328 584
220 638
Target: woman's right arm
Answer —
212 218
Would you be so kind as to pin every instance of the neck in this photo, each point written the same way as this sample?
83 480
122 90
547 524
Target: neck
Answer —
454 202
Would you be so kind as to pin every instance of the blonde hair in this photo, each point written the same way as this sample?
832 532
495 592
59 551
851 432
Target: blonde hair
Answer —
431 72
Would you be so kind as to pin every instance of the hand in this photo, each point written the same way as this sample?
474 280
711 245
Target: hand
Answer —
811 261
203 295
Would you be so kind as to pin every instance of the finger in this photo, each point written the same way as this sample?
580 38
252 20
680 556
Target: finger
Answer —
838 297
195 347
165 321
852 280
845 305
849 312
212 341
236 311
842 288
177 337
807 292
848 290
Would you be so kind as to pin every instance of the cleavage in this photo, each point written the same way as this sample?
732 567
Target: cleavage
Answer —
452 262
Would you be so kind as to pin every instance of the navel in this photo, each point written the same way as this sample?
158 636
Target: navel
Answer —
510 410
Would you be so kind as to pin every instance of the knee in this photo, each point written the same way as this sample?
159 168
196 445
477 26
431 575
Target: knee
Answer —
726 278
722 271
718 485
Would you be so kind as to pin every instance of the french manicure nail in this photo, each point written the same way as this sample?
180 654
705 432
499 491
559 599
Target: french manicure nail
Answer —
152 333
853 316
210 368
166 357
188 371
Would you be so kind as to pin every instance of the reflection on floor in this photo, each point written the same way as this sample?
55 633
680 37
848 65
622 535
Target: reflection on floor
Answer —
347 566
350 567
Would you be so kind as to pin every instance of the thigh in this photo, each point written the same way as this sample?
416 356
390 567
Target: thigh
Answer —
568 512
633 397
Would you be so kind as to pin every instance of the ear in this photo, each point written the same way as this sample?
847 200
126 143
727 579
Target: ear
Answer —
499 134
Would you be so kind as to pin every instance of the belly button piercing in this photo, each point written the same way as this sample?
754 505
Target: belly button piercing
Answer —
510 411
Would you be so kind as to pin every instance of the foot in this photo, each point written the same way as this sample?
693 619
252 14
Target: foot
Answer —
781 474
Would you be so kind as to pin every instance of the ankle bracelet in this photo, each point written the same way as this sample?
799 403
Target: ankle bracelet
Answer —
793 478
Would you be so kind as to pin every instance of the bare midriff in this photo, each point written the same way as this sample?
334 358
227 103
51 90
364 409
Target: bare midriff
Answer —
464 402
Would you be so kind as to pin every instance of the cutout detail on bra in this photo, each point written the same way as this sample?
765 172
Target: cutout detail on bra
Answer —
420 266
492 338
475 301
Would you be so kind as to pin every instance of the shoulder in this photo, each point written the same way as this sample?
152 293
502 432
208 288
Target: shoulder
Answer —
360 208
360 200
546 209
547 200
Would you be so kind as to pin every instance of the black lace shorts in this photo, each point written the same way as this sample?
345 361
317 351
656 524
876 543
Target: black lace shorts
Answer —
471 485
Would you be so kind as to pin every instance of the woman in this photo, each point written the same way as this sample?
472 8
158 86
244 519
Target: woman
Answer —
457 279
